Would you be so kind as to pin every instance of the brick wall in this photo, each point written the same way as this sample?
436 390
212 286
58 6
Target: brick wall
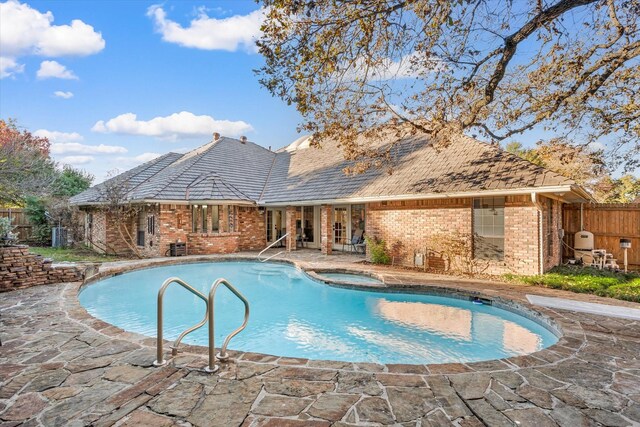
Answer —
521 246
551 224
96 230
290 221
407 226
326 229
21 269
174 223
251 223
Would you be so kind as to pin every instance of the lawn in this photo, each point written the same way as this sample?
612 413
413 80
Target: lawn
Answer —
73 254
587 280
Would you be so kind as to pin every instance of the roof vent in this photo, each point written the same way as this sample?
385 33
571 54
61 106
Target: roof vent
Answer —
216 136
243 139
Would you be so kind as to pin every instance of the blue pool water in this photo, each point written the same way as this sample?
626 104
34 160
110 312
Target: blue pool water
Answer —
294 315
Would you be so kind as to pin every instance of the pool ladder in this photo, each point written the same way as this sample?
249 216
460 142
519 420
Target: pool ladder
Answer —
209 315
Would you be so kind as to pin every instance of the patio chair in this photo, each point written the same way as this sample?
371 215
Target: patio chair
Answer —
356 239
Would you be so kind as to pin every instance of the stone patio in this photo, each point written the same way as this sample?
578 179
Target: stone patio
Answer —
60 366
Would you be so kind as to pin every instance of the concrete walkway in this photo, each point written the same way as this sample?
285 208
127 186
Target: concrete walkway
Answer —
60 366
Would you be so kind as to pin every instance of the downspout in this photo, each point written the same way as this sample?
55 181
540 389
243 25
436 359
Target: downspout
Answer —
536 203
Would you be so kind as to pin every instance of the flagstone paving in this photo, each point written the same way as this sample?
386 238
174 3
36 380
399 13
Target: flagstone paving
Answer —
60 366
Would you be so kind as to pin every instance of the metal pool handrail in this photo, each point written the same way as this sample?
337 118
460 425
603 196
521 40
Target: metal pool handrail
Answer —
210 312
269 247
174 349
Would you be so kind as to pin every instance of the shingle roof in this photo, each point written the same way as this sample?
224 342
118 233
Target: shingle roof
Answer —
464 165
229 169
134 178
226 169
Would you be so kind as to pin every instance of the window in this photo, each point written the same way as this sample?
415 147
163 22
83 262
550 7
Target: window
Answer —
308 220
151 224
194 218
202 214
231 212
488 228
204 219
215 219
357 218
142 215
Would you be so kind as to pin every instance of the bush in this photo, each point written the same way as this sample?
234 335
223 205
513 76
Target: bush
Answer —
378 249
589 280
6 231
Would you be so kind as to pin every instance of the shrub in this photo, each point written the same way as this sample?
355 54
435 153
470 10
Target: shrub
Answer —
589 280
6 231
378 249
457 249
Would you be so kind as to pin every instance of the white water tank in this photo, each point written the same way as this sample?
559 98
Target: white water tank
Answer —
583 246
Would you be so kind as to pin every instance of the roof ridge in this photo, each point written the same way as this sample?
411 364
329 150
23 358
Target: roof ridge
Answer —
266 181
169 182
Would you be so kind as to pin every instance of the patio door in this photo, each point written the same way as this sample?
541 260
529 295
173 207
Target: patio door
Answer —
341 226
276 224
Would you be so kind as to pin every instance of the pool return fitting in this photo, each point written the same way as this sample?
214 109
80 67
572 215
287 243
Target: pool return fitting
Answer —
209 316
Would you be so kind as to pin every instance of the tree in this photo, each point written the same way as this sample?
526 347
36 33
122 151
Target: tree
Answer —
25 166
120 211
586 167
484 67
625 189
71 181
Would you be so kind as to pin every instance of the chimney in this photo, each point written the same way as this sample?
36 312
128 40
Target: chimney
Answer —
243 139
216 136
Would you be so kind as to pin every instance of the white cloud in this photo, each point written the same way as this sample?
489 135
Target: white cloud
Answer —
409 66
207 33
61 94
145 157
175 126
54 69
77 148
55 136
130 162
77 160
27 31
9 67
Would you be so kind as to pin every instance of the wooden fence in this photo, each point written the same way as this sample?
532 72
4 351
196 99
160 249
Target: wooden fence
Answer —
609 222
23 226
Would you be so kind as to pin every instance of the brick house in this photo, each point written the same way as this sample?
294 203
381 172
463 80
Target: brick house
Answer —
233 195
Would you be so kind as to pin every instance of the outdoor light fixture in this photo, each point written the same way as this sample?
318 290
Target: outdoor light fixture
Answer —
625 244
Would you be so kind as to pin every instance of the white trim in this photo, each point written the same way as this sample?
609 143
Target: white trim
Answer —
558 191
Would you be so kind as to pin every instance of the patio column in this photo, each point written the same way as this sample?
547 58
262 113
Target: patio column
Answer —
290 221
326 229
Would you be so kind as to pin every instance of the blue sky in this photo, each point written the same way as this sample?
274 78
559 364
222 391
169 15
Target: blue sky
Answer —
143 58
113 83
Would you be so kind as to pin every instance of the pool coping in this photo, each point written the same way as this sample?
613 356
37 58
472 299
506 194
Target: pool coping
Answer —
571 337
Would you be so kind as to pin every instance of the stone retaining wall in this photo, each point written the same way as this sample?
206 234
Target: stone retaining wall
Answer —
21 269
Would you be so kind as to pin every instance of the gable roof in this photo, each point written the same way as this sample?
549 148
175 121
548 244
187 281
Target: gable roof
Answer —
235 171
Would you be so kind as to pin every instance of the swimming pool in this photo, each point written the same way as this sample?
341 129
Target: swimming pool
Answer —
296 316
